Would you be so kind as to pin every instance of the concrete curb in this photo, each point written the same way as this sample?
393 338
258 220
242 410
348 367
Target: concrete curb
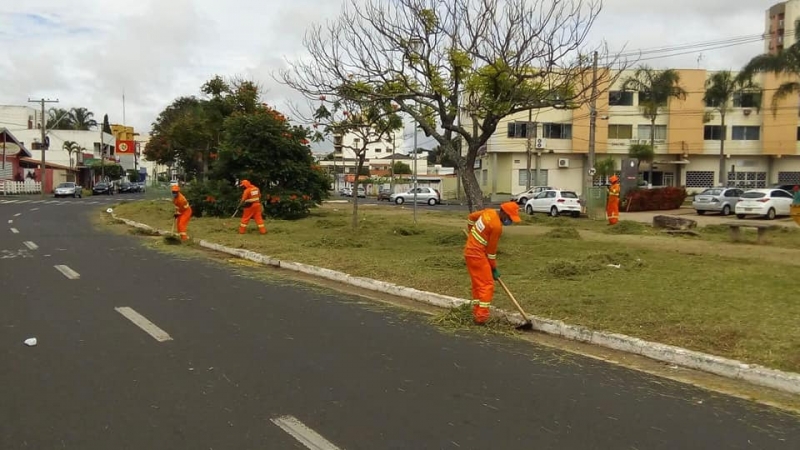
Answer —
729 368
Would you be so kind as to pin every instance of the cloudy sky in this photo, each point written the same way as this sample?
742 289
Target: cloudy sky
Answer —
87 52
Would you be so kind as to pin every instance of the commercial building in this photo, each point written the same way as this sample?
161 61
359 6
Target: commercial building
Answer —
780 25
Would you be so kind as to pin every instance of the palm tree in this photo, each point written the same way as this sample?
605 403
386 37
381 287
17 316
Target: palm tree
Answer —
720 90
82 119
59 119
604 168
655 89
786 62
71 147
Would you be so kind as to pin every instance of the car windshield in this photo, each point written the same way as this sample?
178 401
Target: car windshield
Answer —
711 192
100 185
66 185
568 194
753 195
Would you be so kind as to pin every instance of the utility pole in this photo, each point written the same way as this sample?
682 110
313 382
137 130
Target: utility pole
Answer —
42 101
391 169
592 132
529 134
415 171
102 157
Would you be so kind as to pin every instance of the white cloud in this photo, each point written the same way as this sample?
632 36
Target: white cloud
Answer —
86 52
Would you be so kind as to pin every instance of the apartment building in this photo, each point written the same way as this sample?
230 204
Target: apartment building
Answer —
761 148
779 25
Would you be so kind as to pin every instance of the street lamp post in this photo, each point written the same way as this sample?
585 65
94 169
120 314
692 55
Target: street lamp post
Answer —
414 45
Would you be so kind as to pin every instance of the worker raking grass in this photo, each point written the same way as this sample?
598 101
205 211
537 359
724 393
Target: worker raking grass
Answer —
251 199
183 212
484 229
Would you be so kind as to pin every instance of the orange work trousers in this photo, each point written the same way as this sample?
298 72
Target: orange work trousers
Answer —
480 273
183 223
612 210
253 212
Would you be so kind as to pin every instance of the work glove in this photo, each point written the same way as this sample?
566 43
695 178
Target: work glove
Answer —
495 274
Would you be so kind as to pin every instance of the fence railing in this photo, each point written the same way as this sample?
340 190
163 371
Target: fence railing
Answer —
20 187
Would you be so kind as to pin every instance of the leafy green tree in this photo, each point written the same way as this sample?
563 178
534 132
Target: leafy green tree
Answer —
655 88
721 87
441 59
440 156
401 168
111 171
605 167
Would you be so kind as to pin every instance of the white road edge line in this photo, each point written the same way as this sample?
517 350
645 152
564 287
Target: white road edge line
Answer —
34 209
30 245
305 435
141 322
14 230
67 272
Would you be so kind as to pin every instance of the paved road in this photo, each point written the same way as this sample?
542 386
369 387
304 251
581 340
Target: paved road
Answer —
207 358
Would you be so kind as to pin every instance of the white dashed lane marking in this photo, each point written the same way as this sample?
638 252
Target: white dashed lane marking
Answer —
67 272
141 322
305 435
14 230
17 214
30 245
10 220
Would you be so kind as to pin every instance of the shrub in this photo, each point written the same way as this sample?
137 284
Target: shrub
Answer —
218 198
659 199
288 206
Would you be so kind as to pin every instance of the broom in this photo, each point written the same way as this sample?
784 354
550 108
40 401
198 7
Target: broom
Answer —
171 238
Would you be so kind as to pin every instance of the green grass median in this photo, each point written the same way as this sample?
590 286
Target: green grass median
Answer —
733 300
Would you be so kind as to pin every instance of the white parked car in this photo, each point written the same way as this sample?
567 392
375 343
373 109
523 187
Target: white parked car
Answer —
523 197
764 202
68 189
424 195
555 203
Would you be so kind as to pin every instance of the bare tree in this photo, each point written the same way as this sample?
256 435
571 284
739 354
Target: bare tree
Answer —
441 59
352 113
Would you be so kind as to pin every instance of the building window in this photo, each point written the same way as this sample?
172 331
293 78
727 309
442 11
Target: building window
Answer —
557 131
746 133
747 180
747 100
712 132
699 178
377 150
798 133
644 97
714 103
620 98
643 132
484 177
523 177
520 130
620 131
789 177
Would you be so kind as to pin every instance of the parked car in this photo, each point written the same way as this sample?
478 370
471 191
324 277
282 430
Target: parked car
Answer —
127 188
361 193
103 189
346 192
141 186
424 195
523 197
720 200
785 187
555 203
384 194
764 202
68 189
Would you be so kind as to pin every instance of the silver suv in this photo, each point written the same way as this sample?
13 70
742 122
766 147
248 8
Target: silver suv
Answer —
719 200
424 195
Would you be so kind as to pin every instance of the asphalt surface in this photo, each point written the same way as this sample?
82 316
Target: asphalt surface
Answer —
244 351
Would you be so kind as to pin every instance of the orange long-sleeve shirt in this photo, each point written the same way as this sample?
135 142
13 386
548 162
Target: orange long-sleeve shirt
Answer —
485 229
181 204
251 195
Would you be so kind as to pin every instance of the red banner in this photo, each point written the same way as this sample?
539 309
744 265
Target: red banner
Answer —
126 147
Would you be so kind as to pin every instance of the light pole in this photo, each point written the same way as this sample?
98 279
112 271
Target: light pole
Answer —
414 45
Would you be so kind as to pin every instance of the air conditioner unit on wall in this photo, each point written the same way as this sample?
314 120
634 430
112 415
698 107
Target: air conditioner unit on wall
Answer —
563 162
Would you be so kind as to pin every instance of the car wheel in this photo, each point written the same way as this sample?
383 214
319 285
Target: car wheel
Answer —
554 211
771 214
399 200
432 202
726 210
740 216
523 200
700 213
529 209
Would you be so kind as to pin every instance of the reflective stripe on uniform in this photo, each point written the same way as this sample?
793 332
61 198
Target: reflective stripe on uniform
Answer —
470 222
492 256
476 302
484 304
262 226
478 237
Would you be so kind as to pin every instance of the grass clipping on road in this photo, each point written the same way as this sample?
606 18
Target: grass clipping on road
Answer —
630 280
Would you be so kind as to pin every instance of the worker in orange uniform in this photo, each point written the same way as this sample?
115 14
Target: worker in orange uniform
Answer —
183 212
612 203
251 198
483 234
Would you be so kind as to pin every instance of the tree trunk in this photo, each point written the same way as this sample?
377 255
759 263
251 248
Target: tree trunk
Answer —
359 165
723 178
652 147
